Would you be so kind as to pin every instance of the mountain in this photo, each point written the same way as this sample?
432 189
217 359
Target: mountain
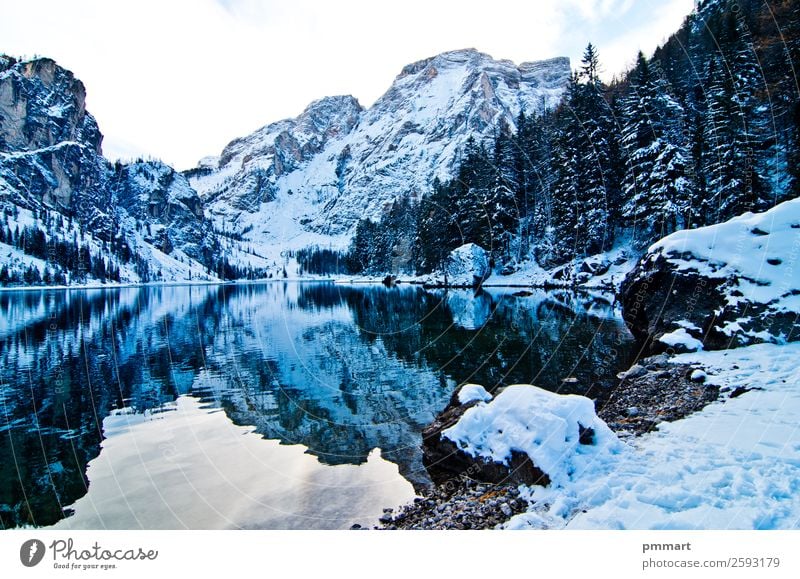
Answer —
705 129
50 144
309 180
69 216
72 217
558 176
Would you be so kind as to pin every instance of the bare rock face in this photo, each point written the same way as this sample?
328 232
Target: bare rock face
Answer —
655 297
41 105
50 146
338 163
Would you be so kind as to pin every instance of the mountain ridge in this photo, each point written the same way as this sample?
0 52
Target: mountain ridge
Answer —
357 162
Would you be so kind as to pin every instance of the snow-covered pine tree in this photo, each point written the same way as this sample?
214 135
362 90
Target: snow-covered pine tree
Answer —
598 162
471 192
533 150
437 232
655 187
586 162
561 246
501 206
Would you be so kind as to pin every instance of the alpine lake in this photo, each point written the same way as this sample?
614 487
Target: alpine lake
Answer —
278 405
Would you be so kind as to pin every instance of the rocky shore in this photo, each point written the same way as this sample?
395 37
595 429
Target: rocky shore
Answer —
650 392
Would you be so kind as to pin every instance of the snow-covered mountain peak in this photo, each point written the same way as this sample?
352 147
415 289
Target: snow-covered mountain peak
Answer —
310 179
464 55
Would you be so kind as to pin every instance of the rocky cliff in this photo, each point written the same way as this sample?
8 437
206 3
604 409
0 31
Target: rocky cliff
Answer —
72 216
50 146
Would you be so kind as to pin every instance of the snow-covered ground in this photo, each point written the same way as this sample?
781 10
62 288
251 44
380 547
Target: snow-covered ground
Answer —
604 271
755 252
734 465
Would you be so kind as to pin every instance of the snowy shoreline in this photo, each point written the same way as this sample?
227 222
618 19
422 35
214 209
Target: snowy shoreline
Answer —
651 393
728 460
161 284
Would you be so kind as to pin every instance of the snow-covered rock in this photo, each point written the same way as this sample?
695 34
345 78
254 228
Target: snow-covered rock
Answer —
473 392
721 286
525 434
561 434
466 266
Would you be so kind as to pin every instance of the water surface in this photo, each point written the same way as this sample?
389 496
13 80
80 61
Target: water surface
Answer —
276 405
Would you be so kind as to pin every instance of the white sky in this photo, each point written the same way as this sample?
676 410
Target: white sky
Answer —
178 79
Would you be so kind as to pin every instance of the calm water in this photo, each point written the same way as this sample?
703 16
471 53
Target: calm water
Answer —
279 405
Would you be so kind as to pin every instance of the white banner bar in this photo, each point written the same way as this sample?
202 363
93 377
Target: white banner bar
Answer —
385 554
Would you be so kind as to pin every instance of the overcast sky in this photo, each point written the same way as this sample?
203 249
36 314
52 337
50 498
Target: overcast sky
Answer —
178 79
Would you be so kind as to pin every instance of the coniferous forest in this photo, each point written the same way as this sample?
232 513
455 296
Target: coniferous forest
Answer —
706 129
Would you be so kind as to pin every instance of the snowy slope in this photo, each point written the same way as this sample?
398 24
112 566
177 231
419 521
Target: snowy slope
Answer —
307 181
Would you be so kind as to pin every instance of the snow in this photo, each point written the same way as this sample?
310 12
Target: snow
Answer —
472 392
681 337
758 252
37 152
698 376
542 424
688 325
620 260
733 465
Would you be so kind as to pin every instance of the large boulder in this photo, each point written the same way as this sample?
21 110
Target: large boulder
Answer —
525 435
722 286
466 266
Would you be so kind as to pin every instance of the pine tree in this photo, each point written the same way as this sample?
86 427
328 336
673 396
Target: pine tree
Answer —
560 235
597 159
586 159
533 149
501 205
437 232
471 193
656 190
